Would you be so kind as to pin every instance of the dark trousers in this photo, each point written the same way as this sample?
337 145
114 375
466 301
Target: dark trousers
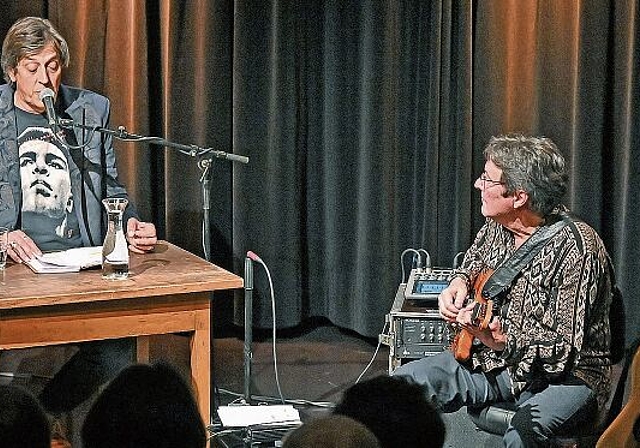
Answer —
556 409
95 364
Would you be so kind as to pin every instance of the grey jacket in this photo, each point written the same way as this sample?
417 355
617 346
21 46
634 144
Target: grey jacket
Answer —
92 169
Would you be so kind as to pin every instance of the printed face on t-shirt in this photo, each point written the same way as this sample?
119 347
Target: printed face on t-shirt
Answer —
46 184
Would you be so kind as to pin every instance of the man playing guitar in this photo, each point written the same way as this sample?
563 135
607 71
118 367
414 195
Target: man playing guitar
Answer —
545 344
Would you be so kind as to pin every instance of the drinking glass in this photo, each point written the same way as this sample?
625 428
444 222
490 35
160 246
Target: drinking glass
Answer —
4 243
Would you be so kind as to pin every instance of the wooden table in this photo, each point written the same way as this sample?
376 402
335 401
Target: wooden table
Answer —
168 291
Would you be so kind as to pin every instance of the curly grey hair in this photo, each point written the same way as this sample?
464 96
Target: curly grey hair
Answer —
532 164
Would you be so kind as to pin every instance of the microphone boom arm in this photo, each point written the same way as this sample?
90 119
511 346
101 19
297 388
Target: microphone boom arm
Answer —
190 150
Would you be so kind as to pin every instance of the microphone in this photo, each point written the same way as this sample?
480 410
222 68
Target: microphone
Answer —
253 256
46 95
248 273
230 156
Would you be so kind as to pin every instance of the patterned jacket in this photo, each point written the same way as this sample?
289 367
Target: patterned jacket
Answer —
556 313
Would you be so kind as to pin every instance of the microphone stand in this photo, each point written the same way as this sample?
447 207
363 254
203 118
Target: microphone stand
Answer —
205 156
205 162
248 327
205 166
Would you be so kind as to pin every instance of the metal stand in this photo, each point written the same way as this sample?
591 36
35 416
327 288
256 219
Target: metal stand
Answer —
205 179
205 161
248 327
122 134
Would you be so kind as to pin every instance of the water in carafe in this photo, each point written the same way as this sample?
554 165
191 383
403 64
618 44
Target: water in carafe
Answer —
115 252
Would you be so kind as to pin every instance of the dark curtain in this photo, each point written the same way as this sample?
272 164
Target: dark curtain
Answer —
357 117
569 70
364 122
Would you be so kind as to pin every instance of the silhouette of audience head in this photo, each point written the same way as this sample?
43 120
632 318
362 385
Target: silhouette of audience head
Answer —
396 410
333 431
145 406
23 422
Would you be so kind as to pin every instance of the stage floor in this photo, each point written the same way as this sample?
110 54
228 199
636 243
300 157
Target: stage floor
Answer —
316 364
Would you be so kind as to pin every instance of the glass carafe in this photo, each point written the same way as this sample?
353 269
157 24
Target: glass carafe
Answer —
115 252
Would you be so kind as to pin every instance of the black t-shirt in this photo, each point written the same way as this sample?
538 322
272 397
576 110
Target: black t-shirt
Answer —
48 213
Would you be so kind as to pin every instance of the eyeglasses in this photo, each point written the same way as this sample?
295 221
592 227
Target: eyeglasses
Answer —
486 180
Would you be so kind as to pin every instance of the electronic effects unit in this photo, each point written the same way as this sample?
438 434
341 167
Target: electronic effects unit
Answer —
415 327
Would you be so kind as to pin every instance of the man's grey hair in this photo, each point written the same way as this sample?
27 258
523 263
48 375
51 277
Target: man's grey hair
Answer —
532 164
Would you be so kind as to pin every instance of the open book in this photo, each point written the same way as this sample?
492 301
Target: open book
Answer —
71 260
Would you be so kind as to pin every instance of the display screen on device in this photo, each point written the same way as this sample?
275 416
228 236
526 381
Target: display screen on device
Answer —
429 287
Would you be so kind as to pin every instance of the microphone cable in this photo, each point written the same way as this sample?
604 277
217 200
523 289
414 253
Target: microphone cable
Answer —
417 255
375 354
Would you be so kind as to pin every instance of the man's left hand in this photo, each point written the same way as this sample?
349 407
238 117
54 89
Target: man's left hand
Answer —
141 236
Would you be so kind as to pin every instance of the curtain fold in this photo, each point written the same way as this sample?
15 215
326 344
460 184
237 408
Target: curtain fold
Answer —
358 162
197 110
583 94
621 182
364 122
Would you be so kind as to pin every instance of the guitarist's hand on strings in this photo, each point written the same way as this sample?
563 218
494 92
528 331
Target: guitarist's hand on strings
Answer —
452 299
491 336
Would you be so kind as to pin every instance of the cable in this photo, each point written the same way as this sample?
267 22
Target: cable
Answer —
427 264
402 260
375 354
26 376
456 260
202 239
67 145
256 258
239 399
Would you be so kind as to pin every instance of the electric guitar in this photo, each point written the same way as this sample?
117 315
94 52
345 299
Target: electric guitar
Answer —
480 317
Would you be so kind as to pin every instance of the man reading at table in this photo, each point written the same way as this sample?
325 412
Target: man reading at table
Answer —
50 195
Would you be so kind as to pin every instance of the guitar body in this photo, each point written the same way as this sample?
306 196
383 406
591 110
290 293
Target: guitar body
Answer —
481 316
624 431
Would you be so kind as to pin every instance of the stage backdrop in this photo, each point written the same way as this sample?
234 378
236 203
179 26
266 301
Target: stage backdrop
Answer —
364 122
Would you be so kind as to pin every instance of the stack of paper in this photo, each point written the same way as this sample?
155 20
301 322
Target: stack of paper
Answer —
71 260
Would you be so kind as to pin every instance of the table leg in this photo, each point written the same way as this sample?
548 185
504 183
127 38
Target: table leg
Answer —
201 363
143 351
